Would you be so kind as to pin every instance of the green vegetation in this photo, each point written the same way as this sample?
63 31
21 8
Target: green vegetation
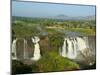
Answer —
56 41
23 27
50 61
22 30
19 68
83 31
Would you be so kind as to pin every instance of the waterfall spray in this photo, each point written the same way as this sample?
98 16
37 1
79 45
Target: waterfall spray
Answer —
14 49
74 44
81 44
36 55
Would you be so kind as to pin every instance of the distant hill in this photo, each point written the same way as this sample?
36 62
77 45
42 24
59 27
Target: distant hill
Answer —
65 17
91 17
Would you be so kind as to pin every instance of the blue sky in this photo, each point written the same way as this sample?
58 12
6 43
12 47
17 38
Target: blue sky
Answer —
32 9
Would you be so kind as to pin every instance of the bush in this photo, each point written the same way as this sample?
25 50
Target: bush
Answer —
53 62
19 68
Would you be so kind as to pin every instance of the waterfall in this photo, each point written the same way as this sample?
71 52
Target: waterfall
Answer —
14 49
71 48
75 47
86 41
25 49
81 44
74 44
36 55
64 52
22 49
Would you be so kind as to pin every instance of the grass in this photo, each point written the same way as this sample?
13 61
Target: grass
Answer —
83 31
23 29
52 61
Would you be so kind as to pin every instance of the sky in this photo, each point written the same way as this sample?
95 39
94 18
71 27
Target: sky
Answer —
33 9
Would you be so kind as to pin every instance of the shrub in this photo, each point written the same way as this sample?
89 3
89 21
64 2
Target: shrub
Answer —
53 62
19 68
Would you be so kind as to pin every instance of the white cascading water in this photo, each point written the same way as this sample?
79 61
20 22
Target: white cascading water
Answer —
86 41
73 45
25 49
81 44
36 55
14 49
64 52
72 52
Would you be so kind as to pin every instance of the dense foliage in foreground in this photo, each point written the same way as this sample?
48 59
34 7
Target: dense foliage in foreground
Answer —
50 61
